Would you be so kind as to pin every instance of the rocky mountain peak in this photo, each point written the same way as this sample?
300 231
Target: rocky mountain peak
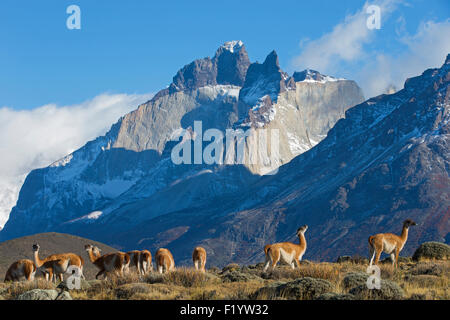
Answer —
263 83
309 75
228 66
231 46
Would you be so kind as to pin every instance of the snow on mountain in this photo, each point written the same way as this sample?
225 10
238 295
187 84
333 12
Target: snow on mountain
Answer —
128 175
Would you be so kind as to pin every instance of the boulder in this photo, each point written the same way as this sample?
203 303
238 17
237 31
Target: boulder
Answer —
42 294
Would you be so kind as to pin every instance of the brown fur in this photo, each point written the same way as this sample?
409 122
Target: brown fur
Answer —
292 252
146 261
389 243
164 260
56 264
135 259
116 262
22 268
199 258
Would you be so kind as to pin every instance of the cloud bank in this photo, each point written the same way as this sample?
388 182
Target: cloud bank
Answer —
348 47
35 138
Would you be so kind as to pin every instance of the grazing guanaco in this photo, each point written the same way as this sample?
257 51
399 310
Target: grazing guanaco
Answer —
146 261
116 262
290 253
22 268
57 264
164 260
389 243
199 258
135 259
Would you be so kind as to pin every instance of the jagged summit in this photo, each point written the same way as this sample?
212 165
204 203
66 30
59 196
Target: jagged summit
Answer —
264 79
232 46
228 67
309 75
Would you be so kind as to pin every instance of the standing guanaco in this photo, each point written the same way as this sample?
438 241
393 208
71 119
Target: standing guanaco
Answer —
135 259
22 268
146 261
116 262
164 260
290 253
57 264
199 258
389 243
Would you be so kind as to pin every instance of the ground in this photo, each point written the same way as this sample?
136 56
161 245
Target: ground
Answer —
412 280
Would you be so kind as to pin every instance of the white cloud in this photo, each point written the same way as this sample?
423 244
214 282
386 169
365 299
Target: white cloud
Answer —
344 43
347 47
427 48
35 138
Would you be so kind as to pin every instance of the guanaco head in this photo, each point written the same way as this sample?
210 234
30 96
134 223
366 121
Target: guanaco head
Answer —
408 222
302 230
36 247
97 251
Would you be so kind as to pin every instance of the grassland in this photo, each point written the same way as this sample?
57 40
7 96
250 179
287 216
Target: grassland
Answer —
412 280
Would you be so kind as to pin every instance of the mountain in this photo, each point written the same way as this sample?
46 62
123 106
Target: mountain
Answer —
386 161
111 188
52 242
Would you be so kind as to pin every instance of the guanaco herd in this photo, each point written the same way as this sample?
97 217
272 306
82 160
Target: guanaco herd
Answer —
55 265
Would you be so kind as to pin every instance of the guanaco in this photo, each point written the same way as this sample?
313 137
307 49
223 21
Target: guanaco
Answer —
135 259
290 253
22 268
116 262
389 243
56 265
164 260
146 261
199 258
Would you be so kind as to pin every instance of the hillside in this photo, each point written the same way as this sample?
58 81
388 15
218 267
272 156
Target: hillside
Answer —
51 242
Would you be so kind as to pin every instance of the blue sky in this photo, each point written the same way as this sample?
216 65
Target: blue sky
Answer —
137 46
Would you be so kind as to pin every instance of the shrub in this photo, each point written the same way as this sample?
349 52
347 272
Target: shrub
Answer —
342 259
231 267
187 277
428 268
238 276
354 279
126 291
336 296
389 290
433 251
301 289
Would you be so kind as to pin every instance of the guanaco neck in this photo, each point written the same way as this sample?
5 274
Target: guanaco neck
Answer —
38 261
404 235
302 240
92 257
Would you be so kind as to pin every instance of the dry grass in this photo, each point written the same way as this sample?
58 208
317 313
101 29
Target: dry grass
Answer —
423 280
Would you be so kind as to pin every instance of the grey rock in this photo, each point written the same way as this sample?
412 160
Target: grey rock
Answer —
41 294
